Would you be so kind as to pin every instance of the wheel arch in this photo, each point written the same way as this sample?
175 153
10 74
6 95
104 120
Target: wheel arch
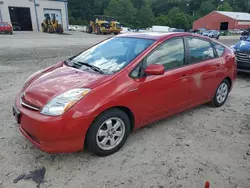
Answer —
125 109
229 81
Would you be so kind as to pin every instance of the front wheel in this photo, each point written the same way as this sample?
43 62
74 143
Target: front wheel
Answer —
221 94
108 132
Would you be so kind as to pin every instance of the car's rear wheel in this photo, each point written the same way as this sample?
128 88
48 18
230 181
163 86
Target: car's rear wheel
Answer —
221 94
108 132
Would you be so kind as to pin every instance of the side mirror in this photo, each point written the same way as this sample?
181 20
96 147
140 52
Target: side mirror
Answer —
155 69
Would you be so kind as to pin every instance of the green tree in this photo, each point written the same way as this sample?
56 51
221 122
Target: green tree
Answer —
122 10
162 20
145 16
138 3
205 8
225 7
177 19
72 20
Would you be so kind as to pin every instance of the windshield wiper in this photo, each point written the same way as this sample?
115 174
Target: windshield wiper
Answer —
93 67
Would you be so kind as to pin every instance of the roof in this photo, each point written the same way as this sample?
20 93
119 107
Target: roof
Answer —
242 16
154 35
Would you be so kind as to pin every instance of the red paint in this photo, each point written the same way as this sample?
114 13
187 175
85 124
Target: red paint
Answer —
155 69
149 98
207 185
213 21
5 27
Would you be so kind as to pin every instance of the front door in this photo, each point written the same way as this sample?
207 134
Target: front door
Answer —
161 95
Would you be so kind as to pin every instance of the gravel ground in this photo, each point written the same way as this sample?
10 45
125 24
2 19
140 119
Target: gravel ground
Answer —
182 151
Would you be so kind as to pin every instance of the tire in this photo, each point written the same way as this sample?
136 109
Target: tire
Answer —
100 127
11 33
219 101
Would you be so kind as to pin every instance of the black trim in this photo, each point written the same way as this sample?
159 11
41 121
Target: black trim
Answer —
140 71
187 51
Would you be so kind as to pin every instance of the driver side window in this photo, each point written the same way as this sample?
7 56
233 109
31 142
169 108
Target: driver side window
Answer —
171 54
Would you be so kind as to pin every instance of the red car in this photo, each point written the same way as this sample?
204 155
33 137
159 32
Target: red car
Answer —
6 28
96 98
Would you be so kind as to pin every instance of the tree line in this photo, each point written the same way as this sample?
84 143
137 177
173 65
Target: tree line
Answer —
145 13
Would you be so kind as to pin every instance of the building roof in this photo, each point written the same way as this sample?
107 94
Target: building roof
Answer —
242 16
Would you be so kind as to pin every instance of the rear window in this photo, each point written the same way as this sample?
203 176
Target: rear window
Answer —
200 50
219 49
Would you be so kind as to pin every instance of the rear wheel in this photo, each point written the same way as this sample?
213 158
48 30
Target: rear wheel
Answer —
221 94
108 132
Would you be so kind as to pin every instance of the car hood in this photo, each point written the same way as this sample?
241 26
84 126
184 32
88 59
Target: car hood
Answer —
242 46
50 84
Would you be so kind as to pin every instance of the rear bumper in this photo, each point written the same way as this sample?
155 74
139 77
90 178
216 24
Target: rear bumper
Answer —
61 134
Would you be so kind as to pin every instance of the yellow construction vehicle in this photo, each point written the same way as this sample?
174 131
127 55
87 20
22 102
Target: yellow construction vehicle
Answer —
51 25
104 25
115 26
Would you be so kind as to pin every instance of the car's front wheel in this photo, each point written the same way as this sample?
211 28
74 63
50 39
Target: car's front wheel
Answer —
108 132
221 94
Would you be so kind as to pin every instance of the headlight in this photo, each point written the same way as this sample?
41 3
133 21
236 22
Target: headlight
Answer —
60 104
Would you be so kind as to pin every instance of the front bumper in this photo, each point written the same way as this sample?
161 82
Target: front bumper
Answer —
243 67
61 134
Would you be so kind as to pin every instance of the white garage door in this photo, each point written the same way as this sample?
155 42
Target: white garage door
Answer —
55 12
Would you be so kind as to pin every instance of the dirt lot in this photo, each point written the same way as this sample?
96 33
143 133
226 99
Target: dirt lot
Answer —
182 151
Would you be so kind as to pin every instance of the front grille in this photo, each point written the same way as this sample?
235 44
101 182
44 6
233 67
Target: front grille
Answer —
242 57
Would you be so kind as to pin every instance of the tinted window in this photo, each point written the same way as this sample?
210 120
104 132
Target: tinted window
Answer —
200 50
219 49
170 54
112 55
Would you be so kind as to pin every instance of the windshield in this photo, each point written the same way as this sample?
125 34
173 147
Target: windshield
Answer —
118 25
106 25
113 54
247 39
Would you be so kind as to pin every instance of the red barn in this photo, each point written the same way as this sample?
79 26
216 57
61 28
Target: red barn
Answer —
222 20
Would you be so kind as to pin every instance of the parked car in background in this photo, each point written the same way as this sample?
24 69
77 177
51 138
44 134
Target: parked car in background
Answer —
201 30
242 53
212 34
6 28
125 30
16 26
245 34
96 98
72 28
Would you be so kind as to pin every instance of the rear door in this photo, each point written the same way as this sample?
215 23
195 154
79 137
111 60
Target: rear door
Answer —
161 95
206 67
